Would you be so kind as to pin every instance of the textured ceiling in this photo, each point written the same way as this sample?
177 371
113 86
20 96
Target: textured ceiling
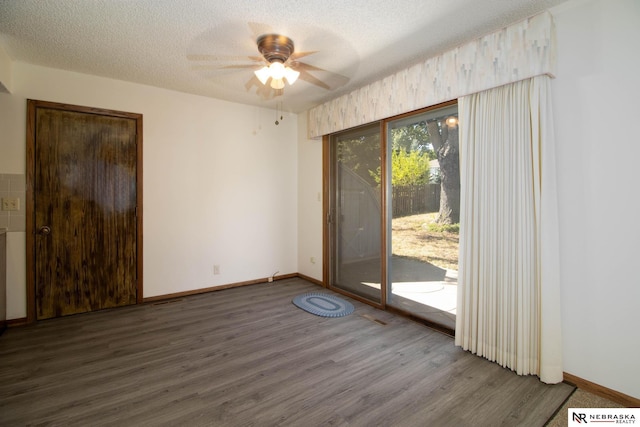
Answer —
189 45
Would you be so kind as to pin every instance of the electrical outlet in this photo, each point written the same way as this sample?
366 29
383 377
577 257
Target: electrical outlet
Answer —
10 204
216 269
312 260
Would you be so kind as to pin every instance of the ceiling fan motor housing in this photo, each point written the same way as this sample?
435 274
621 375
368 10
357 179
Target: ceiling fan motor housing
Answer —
275 47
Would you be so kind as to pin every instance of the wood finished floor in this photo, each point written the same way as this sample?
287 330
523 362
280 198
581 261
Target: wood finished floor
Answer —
248 357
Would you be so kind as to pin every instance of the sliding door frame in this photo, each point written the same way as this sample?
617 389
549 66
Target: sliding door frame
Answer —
384 217
328 214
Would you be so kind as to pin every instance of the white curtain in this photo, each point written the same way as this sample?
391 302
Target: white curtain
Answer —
509 281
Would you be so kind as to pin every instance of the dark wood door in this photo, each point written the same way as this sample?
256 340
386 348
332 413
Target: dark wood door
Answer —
85 237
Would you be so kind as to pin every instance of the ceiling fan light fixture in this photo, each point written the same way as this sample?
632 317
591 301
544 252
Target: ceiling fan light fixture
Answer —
277 72
291 75
263 74
277 83
276 69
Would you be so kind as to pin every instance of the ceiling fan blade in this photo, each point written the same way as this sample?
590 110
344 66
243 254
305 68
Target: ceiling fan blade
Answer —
308 67
225 58
264 91
306 76
296 55
304 66
253 81
238 66
331 81
213 67
203 67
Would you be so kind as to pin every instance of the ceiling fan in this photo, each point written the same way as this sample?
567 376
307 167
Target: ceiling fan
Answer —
279 62
276 50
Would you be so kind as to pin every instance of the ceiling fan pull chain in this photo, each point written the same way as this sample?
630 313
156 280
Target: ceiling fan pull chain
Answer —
281 110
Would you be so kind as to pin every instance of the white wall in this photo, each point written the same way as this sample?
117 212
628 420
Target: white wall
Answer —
219 180
310 221
5 71
596 96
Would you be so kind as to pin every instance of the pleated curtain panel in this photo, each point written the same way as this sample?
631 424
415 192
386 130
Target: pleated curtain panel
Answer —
509 282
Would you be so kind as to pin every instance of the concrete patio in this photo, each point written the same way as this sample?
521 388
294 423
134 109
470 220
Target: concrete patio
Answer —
421 288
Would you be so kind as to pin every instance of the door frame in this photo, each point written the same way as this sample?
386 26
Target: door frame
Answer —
32 106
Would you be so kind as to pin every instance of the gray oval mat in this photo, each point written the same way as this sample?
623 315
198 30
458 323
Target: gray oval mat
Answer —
325 305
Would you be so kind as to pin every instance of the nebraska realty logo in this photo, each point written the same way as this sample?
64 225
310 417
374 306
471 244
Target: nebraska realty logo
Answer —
581 416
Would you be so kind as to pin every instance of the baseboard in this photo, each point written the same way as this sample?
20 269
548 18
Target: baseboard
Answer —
598 390
23 321
17 322
311 279
217 288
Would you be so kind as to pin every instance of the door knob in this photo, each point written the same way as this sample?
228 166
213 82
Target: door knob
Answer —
44 230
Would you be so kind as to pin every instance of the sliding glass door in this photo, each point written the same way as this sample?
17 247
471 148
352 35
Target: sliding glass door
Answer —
393 213
355 213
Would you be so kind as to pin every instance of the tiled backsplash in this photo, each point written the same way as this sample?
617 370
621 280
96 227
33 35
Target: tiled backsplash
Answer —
12 186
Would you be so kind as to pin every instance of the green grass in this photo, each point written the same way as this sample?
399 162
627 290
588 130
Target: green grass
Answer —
420 237
442 228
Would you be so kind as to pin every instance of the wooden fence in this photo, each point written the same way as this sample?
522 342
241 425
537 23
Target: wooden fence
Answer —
415 199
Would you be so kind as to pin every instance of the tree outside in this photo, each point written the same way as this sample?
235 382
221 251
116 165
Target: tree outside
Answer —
444 137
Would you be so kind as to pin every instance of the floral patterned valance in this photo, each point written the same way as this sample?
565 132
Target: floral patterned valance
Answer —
518 52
